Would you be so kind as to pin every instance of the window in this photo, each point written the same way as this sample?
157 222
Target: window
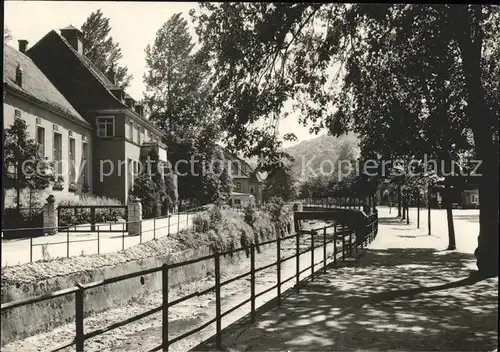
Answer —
138 131
238 186
40 139
72 160
237 201
252 190
57 153
130 172
106 126
474 198
130 126
17 114
143 138
85 160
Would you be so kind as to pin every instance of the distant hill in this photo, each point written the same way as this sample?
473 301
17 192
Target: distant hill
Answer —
324 149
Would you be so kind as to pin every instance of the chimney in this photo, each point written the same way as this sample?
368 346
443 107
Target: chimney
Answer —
19 75
111 75
74 38
23 45
139 109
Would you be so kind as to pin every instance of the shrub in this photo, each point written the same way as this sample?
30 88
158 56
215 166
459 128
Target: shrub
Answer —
144 190
83 216
201 223
249 214
215 214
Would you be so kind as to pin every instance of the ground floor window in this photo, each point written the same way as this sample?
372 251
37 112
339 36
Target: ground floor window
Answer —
40 139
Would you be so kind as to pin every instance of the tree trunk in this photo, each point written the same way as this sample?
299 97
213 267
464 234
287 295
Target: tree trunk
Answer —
399 201
418 210
483 125
429 209
408 211
18 188
447 199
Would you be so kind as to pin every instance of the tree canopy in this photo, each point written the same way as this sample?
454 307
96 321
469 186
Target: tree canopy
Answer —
409 79
101 49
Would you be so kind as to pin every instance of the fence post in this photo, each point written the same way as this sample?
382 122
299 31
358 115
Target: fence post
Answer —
169 216
252 282
312 254
297 260
343 242
123 239
92 217
98 241
79 333
324 249
356 242
67 242
154 228
187 218
140 236
278 265
164 321
31 249
350 243
178 220
218 337
335 244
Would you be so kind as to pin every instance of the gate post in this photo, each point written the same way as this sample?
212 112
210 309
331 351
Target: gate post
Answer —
134 210
50 221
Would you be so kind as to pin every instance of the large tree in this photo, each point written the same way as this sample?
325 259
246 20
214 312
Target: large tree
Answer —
101 49
177 93
177 89
7 35
371 68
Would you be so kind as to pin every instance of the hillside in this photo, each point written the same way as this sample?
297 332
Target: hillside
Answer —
321 152
324 149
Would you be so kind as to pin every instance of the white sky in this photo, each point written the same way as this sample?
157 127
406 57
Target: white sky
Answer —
134 25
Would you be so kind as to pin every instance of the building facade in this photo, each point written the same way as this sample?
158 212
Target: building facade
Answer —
64 135
119 129
247 184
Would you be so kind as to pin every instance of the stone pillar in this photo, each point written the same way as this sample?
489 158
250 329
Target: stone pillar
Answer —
134 217
50 221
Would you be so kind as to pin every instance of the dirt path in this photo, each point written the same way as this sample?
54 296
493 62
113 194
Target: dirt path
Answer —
145 334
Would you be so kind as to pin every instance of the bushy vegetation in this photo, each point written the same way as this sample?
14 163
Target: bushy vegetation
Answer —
84 215
225 229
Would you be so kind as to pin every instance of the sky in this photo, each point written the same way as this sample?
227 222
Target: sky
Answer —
134 26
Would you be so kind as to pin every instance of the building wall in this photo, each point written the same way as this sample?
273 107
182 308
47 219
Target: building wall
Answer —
470 198
29 113
132 152
246 185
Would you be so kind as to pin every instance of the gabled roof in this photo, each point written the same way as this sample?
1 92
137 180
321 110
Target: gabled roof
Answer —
243 174
35 84
97 73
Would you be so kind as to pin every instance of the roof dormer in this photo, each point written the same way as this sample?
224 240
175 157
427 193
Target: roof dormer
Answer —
19 75
139 109
118 93
74 37
130 102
